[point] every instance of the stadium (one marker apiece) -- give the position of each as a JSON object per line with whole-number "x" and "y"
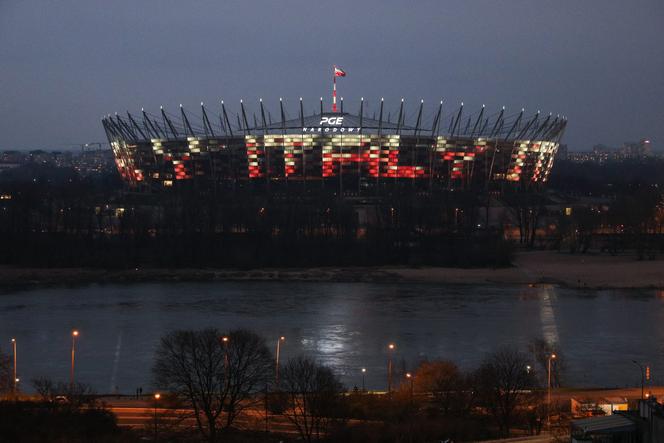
{"x": 374, "y": 147}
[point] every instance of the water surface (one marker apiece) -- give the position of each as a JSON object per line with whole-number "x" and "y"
{"x": 344, "y": 325}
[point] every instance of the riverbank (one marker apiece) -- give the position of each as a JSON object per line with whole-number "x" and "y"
{"x": 530, "y": 268}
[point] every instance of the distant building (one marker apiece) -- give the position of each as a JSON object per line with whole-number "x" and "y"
{"x": 601, "y": 153}
{"x": 644, "y": 425}
{"x": 582, "y": 407}
{"x": 86, "y": 162}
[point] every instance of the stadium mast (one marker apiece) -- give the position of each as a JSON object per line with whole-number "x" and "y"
{"x": 338, "y": 72}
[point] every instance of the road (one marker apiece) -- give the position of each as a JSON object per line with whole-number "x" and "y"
{"x": 596, "y": 394}
{"x": 143, "y": 413}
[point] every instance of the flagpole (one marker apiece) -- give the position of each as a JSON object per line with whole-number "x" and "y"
{"x": 334, "y": 90}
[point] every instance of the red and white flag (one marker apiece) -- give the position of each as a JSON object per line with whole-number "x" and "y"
{"x": 338, "y": 72}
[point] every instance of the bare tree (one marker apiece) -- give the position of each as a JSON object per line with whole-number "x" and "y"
{"x": 446, "y": 383}
{"x": 45, "y": 387}
{"x": 213, "y": 375}
{"x": 314, "y": 397}
{"x": 505, "y": 386}
{"x": 73, "y": 396}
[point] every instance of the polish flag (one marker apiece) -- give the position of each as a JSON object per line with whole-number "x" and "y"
{"x": 339, "y": 72}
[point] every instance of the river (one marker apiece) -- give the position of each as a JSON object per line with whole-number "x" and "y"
{"x": 344, "y": 325}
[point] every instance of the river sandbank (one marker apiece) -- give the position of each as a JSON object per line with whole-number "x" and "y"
{"x": 530, "y": 268}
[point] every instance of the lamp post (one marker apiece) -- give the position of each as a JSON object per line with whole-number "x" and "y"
{"x": 642, "y": 376}
{"x": 390, "y": 350}
{"x": 364, "y": 372}
{"x": 14, "y": 371}
{"x": 157, "y": 396}
{"x": 409, "y": 376}
{"x": 276, "y": 369}
{"x": 74, "y": 334}
{"x": 548, "y": 401}
{"x": 224, "y": 342}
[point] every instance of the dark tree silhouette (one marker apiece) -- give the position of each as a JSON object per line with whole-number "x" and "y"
{"x": 504, "y": 384}
{"x": 213, "y": 376}
{"x": 6, "y": 373}
{"x": 451, "y": 389}
{"x": 315, "y": 400}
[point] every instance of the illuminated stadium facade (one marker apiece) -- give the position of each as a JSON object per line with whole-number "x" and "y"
{"x": 353, "y": 152}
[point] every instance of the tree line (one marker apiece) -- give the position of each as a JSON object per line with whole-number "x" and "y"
{"x": 55, "y": 218}
{"x": 212, "y": 383}
{"x": 219, "y": 376}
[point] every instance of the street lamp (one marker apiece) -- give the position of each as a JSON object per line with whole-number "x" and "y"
{"x": 14, "y": 354}
{"x": 224, "y": 342}
{"x": 364, "y": 372}
{"x": 282, "y": 338}
{"x": 642, "y": 375}
{"x": 409, "y": 376}
{"x": 548, "y": 402}
{"x": 390, "y": 349}
{"x": 74, "y": 334}
{"x": 157, "y": 396}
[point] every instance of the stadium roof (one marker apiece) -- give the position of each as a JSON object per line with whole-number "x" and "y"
{"x": 457, "y": 122}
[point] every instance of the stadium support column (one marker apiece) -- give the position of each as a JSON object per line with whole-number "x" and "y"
{"x": 148, "y": 124}
{"x": 206, "y": 122}
{"x": 515, "y": 125}
{"x": 433, "y": 149}
{"x": 244, "y": 117}
{"x": 417, "y": 140}
{"x": 496, "y": 148}
{"x": 399, "y": 118}
{"x": 304, "y": 153}
{"x": 124, "y": 127}
{"x": 283, "y": 135}
{"x": 361, "y": 111}
{"x": 380, "y": 143}
{"x": 361, "y": 149}
{"x": 138, "y": 128}
{"x": 207, "y": 127}
{"x": 167, "y": 121}
{"x": 524, "y": 131}
{"x": 322, "y": 182}
{"x": 457, "y": 120}
{"x": 477, "y": 122}
{"x": 483, "y": 129}
{"x": 260, "y": 101}
{"x": 539, "y": 128}
{"x": 185, "y": 122}
{"x": 228, "y": 123}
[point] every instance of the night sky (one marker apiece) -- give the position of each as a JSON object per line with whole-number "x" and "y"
{"x": 64, "y": 64}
